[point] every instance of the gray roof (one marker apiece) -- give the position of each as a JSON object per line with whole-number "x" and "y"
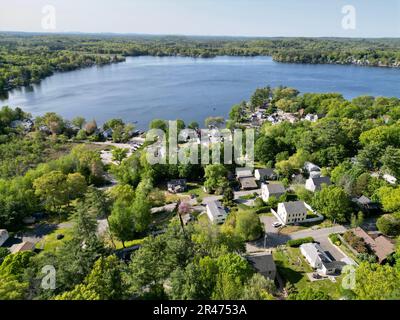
{"x": 177, "y": 182}
{"x": 319, "y": 181}
{"x": 262, "y": 262}
{"x": 294, "y": 207}
{"x": 315, "y": 252}
{"x": 244, "y": 172}
{"x": 266, "y": 171}
{"x": 216, "y": 208}
{"x": 248, "y": 183}
{"x": 275, "y": 188}
{"x": 364, "y": 200}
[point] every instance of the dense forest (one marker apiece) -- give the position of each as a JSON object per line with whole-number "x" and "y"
{"x": 27, "y": 58}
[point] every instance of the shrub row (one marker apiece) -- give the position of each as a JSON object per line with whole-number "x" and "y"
{"x": 298, "y": 242}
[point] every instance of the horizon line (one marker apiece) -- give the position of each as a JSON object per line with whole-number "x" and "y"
{"x": 191, "y": 35}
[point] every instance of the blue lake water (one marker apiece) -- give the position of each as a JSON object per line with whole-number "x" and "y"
{"x": 144, "y": 88}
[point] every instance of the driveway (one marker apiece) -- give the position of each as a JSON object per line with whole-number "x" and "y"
{"x": 274, "y": 238}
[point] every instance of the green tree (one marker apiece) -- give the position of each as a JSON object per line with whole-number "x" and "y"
{"x": 52, "y": 189}
{"x": 79, "y": 122}
{"x": 333, "y": 203}
{"x": 377, "y": 282}
{"x": 389, "y": 224}
{"x": 266, "y": 149}
{"x": 258, "y": 288}
{"x": 122, "y": 223}
{"x": 216, "y": 178}
{"x": 119, "y": 154}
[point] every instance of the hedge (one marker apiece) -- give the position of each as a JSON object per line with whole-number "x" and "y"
{"x": 298, "y": 242}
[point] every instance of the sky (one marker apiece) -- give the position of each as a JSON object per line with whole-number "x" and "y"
{"x": 269, "y": 18}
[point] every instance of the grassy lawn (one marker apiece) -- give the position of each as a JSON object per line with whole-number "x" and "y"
{"x": 197, "y": 189}
{"x": 50, "y": 242}
{"x": 293, "y": 268}
{"x": 290, "y": 229}
{"x": 118, "y": 244}
{"x": 161, "y": 219}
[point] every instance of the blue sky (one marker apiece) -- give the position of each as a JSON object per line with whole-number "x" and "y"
{"x": 374, "y": 18}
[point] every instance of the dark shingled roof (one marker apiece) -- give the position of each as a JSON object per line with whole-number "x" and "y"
{"x": 319, "y": 181}
{"x": 262, "y": 262}
{"x": 275, "y": 188}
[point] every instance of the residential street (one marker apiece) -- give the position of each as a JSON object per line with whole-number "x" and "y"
{"x": 274, "y": 238}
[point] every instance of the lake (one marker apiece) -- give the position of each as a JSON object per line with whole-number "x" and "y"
{"x": 144, "y": 88}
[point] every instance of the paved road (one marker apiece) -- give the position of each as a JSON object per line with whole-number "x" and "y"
{"x": 274, "y": 238}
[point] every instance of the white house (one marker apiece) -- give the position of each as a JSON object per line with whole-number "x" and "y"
{"x": 3, "y": 236}
{"x": 216, "y": 212}
{"x": 272, "y": 190}
{"x": 319, "y": 260}
{"x": 389, "y": 178}
{"x": 265, "y": 174}
{"x": 292, "y": 212}
{"x": 310, "y": 167}
{"x": 311, "y": 117}
{"x": 315, "y": 184}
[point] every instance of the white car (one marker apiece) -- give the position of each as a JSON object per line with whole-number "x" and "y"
{"x": 277, "y": 224}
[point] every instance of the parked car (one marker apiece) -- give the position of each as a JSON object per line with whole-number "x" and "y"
{"x": 277, "y": 224}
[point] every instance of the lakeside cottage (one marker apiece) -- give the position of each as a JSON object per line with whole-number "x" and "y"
{"x": 272, "y": 190}
{"x": 216, "y": 212}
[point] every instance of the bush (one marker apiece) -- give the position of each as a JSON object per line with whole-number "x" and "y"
{"x": 389, "y": 224}
{"x": 298, "y": 242}
{"x": 335, "y": 239}
{"x": 355, "y": 242}
{"x": 265, "y": 209}
{"x": 259, "y": 203}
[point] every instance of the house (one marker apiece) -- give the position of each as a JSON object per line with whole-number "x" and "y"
{"x": 216, "y": 212}
{"x": 311, "y": 117}
{"x": 366, "y": 205}
{"x": 26, "y": 124}
{"x": 381, "y": 246}
{"x": 176, "y": 186}
{"x": 265, "y": 174}
{"x": 23, "y": 246}
{"x": 264, "y": 264}
{"x": 246, "y": 179}
{"x": 319, "y": 260}
{"x": 187, "y": 218}
{"x": 389, "y": 178}
{"x": 244, "y": 173}
{"x": 272, "y": 190}
{"x": 108, "y": 133}
{"x": 312, "y": 169}
{"x": 248, "y": 183}
{"x": 292, "y": 212}
{"x": 315, "y": 184}
{"x": 3, "y": 236}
